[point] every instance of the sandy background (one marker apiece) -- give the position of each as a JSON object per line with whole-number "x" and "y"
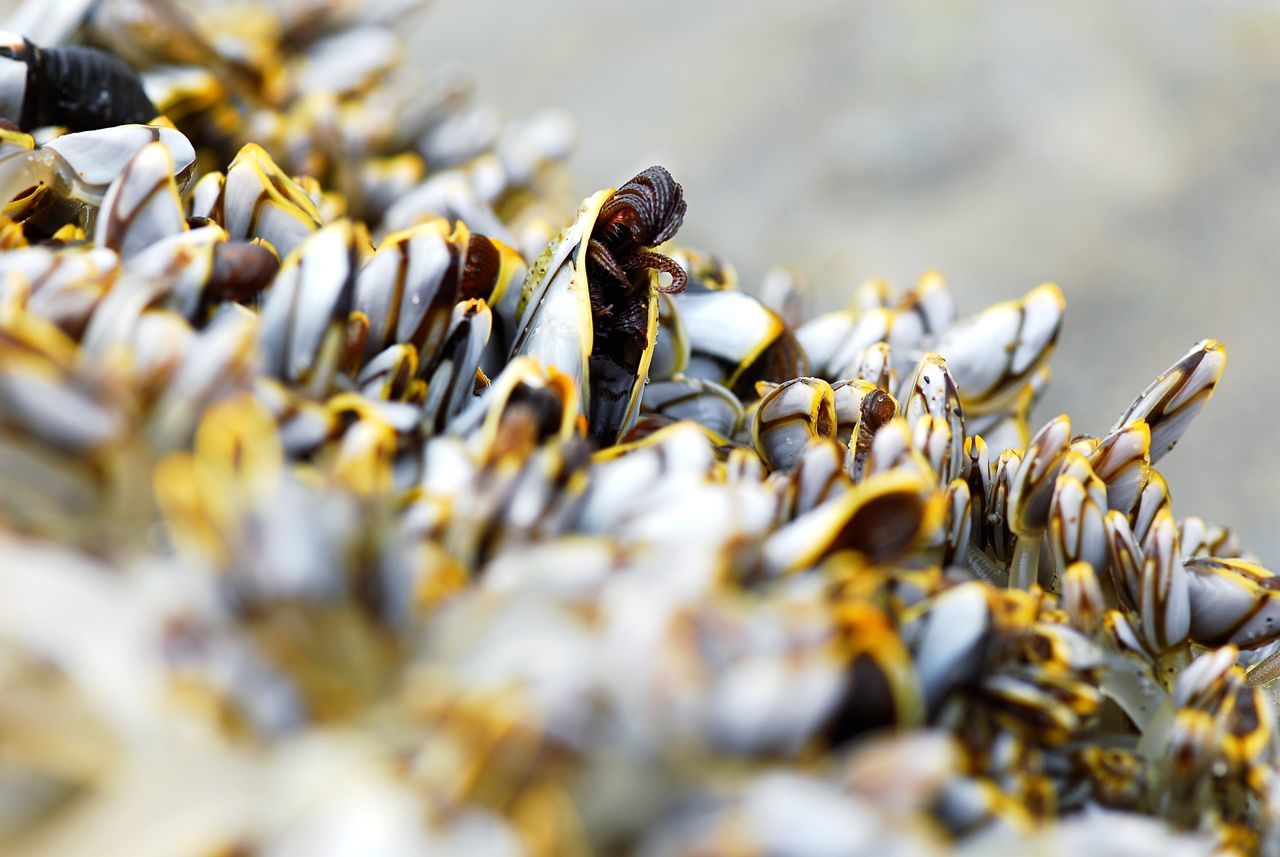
{"x": 1126, "y": 151}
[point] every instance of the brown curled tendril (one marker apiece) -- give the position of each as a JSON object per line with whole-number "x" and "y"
{"x": 641, "y": 214}
{"x": 656, "y": 261}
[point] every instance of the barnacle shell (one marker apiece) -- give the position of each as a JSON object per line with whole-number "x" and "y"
{"x": 1163, "y": 599}
{"x": 450, "y": 380}
{"x": 305, "y": 313}
{"x": 1077, "y": 512}
{"x": 1176, "y": 396}
{"x": 703, "y": 402}
{"x": 991, "y": 355}
{"x": 789, "y": 416}
{"x": 406, "y": 293}
{"x": 932, "y": 393}
{"x": 736, "y": 340}
{"x": 1031, "y": 492}
{"x": 257, "y": 200}
{"x": 555, "y": 325}
{"x": 1232, "y": 601}
{"x": 141, "y": 207}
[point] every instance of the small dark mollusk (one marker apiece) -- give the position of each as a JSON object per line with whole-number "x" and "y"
{"x": 82, "y": 89}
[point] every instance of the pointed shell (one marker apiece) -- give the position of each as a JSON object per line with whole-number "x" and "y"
{"x": 993, "y": 354}
{"x": 1031, "y": 491}
{"x": 451, "y": 380}
{"x": 1163, "y": 599}
{"x": 142, "y": 206}
{"x": 1233, "y": 601}
{"x": 932, "y": 392}
{"x": 408, "y": 289}
{"x": 1122, "y": 461}
{"x": 1176, "y": 395}
{"x": 1077, "y": 532}
{"x": 260, "y": 201}
{"x": 305, "y": 313}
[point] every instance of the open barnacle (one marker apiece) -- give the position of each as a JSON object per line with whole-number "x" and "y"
{"x": 589, "y": 304}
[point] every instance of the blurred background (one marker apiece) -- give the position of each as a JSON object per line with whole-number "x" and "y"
{"x": 1128, "y": 152}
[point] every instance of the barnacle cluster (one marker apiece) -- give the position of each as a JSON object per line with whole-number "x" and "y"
{"x": 348, "y": 508}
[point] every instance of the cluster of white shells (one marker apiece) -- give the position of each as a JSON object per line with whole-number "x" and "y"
{"x": 350, "y": 558}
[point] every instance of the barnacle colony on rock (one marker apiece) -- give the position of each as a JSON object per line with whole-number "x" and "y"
{"x": 350, "y": 509}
